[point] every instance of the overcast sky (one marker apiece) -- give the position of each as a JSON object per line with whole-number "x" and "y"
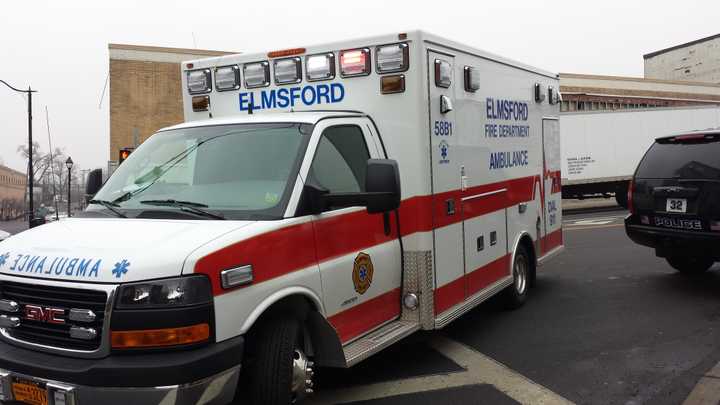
{"x": 60, "y": 47}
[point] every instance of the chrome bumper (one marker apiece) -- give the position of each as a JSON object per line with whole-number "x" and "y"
{"x": 215, "y": 390}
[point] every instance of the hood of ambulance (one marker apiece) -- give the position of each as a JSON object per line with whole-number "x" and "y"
{"x": 92, "y": 250}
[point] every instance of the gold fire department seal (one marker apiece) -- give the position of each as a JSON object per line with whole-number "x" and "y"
{"x": 362, "y": 273}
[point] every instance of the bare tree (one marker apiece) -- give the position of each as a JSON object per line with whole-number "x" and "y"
{"x": 50, "y": 166}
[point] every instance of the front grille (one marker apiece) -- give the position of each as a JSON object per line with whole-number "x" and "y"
{"x": 49, "y": 334}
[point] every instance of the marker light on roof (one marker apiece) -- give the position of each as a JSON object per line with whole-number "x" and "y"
{"x": 320, "y": 67}
{"x": 472, "y": 79}
{"x": 256, "y": 74}
{"x": 227, "y": 78}
{"x": 355, "y": 62}
{"x": 199, "y": 81}
{"x": 392, "y": 58}
{"x": 286, "y": 52}
{"x": 288, "y": 70}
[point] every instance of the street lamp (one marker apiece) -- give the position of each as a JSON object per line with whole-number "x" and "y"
{"x": 31, "y": 175}
{"x": 69, "y": 165}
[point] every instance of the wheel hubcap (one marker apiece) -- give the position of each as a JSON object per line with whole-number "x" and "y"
{"x": 520, "y": 274}
{"x": 302, "y": 376}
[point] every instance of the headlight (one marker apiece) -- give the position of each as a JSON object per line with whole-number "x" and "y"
{"x": 183, "y": 291}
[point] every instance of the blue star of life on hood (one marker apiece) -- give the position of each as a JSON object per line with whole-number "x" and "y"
{"x": 121, "y": 268}
{"x": 3, "y": 259}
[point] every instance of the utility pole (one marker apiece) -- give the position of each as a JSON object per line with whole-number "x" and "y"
{"x": 31, "y": 175}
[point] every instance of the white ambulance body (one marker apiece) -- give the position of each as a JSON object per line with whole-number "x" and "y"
{"x": 474, "y": 137}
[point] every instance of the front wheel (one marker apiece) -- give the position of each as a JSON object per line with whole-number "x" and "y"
{"x": 690, "y": 265}
{"x": 516, "y": 294}
{"x": 278, "y": 371}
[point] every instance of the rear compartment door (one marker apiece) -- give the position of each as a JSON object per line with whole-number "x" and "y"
{"x": 551, "y": 186}
{"x": 446, "y": 183}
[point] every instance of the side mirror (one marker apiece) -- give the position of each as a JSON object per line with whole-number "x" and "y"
{"x": 382, "y": 191}
{"x": 94, "y": 182}
{"x": 382, "y": 185}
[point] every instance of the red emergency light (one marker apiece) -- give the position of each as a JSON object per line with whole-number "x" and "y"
{"x": 355, "y": 62}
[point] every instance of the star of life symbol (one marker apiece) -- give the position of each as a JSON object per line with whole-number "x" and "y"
{"x": 121, "y": 268}
{"x": 444, "y": 152}
{"x": 3, "y": 259}
{"x": 363, "y": 273}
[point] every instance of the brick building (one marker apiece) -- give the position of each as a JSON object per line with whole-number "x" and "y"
{"x": 12, "y": 193}
{"x": 593, "y": 92}
{"x": 697, "y": 61}
{"x": 145, "y": 93}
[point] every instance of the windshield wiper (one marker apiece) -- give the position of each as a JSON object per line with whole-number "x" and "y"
{"x": 186, "y": 206}
{"x": 111, "y": 206}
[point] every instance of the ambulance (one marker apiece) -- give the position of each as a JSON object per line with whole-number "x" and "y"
{"x": 318, "y": 205}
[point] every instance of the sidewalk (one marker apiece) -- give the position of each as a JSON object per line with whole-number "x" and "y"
{"x": 589, "y": 204}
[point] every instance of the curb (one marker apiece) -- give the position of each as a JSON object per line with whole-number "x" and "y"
{"x": 707, "y": 389}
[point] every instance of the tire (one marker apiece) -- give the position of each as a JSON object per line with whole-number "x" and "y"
{"x": 516, "y": 294}
{"x": 690, "y": 265}
{"x": 270, "y": 376}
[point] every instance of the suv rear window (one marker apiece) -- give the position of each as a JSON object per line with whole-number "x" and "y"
{"x": 691, "y": 159}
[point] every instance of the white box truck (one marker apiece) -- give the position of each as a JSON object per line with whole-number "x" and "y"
{"x": 601, "y": 149}
{"x": 320, "y": 204}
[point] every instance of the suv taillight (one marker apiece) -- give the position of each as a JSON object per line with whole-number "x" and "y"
{"x": 631, "y": 187}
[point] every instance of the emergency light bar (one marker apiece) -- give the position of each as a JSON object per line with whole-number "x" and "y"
{"x": 443, "y": 73}
{"x": 320, "y": 67}
{"x": 227, "y": 78}
{"x": 355, "y": 62}
{"x": 199, "y": 81}
{"x": 472, "y": 79}
{"x": 392, "y": 58}
{"x": 553, "y": 96}
{"x": 288, "y": 70}
{"x": 257, "y": 74}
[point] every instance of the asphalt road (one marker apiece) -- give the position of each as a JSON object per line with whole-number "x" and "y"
{"x": 13, "y": 227}
{"x": 608, "y": 323}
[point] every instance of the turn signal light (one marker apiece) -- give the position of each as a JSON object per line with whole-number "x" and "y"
{"x": 135, "y": 339}
{"x": 200, "y": 103}
{"x": 392, "y": 84}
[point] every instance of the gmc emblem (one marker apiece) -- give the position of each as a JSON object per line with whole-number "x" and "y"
{"x": 44, "y": 314}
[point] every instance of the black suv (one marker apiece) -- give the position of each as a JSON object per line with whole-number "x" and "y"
{"x": 674, "y": 200}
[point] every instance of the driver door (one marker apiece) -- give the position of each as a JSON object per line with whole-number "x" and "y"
{"x": 359, "y": 261}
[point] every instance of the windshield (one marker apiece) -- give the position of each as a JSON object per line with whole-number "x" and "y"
{"x": 686, "y": 160}
{"x": 241, "y": 171}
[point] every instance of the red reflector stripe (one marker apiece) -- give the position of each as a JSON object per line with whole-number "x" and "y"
{"x": 366, "y": 316}
{"x": 295, "y": 247}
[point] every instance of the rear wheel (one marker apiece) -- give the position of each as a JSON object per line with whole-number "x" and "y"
{"x": 690, "y": 265}
{"x": 278, "y": 371}
{"x": 516, "y": 294}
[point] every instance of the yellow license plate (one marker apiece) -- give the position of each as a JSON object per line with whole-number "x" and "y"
{"x": 29, "y": 393}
